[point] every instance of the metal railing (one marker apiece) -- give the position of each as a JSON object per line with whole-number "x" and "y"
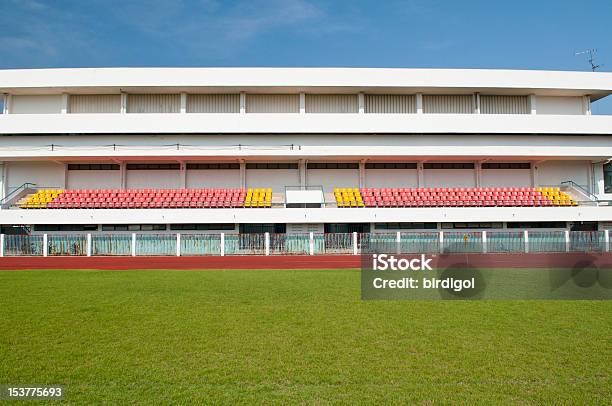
{"x": 426, "y": 242}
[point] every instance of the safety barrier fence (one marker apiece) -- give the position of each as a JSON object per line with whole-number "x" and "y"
{"x": 188, "y": 244}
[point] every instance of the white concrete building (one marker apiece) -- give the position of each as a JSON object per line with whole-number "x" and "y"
{"x": 309, "y": 129}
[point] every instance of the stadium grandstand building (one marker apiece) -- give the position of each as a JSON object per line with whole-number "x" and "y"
{"x": 184, "y": 152}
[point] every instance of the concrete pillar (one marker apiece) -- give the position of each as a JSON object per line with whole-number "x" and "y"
{"x": 598, "y": 179}
{"x": 355, "y": 244}
{"x": 302, "y": 103}
{"x": 45, "y": 245}
{"x": 243, "y": 180}
{"x": 124, "y": 102}
{"x": 441, "y": 241}
{"x": 65, "y": 98}
{"x": 66, "y": 174}
{"x": 302, "y": 173}
{"x": 586, "y": 105}
{"x": 123, "y": 175}
{"x": 533, "y": 174}
{"x": 484, "y": 242}
{"x": 2, "y": 245}
{"x": 362, "y": 173}
{"x": 178, "y": 244}
{"x": 476, "y": 103}
{"x": 267, "y": 243}
{"x": 2, "y": 181}
{"x": 361, "y": 103}
{"x": 532, "y": 104}
{"x": 8, "y": 102}
{"x": 478, "y": 173}
{"x": 526, "y": 240}
{"x": 89, "y": 244}
{"x": 419, "y": 103}
{"x": 183, "y": 103}
{"x": 183, "y": 175}
{"x": 242, "y": 102}
{"x": 222, "y": 244}
{"x": 420, "y": 175}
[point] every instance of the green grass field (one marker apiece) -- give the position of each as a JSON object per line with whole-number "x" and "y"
{"x": 292, "y": 336}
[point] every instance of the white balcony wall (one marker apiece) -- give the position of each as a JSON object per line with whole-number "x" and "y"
{"x": 43, "y": 174}
{"x": 390, "y": 104}
{"x": 102, "y": 179}
{"x": 154, "y": 103}
{"x": 276, "y": 179}
{"x": 272, "y": 103}
{"x": 448, "y": 104}
{"x": 504, "y": 104}
{"x": 559, "y": 105}
{"x": 213, "y": 103}
{"x": 555, "y": 172}
{"x": 153, "y": 179}
{"x": 44, "y": 104}
{"x": 449, "y": 178}
{"x": 94, "y": 103}
{"x": 211, "y": 178}
{"x": 505, "y": 178}
{"x": 331, "y": 103}
{"x": 331, "y": 178}
{"x": 391, "y": 178}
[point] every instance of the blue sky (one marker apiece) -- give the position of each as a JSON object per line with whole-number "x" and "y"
{"x": 536, "y": 34}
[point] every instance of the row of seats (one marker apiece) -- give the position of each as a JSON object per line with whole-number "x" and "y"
{"x": 451, "y": 197}
{"x": 148, "y": 198}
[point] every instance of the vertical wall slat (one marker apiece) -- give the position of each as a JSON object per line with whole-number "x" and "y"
{"x": 447, "y": 104}
{"x": 213, "y": 103}
{"x": 154, "y": 103}
{"x": 390, "y": 103}
{"x": 332, "y": 103}
{"x": 94, "y": 103}
{"x": 272, "y": 103}
{"x": 504, "y": 104}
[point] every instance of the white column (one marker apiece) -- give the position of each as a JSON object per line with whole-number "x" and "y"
{"x": 355, "y": 248}
{"x": 567, "y": 241}
{"x": 2, "y": 181}
{"x": 311, "y": 243}
{"x": 178, "y": 244}
{"x": 598, "y": 179}
{"x": 362, "y": 173}
{"x": 484, "y": 242}
{"x": 45, "y": 245}
{"x": 65, "y": 98}
{"x": 398, "y": 243}
{"x": 302, "y": 173}
{"x": 267, "y": 241}
{"x": 420, "y": 177}
{"x": 183, "y": 103}
{"x": 123, "y": 175}
{"x": 133, "y": 244}
{"x": 586, "y": 105}
{"x": 532, "y": 104}
{"x": 441, "y": 241}
{"x": 478, "y": 173}
{"x": 419, "y": 103}
{"x": 222, "y": 244}
{"x": 124, "y": 102}
{"x": 607, "y": 240}
{"x": 302, "y": 103}
{"x": 2, "y": 245}
{"x": 476, "y": 103}
{"x": 243, "y": 180}
{"x": 183, "y": 175}
{"x": 89, "y": 244}
{"x": 533, "y": 175}
{"x": 242, "y": 102}
{"x": 8, "y": 106}
{"x": 526, "y": 238}
{"x": 65, "y": 185}
{"x": 5, "y": 98}
{"x": 361, "y": 103}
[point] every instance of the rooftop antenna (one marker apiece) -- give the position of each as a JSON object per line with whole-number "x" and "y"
{"x": 590, "y": 54}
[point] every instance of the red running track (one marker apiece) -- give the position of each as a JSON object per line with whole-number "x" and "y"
{"x": 553, "y": 260}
